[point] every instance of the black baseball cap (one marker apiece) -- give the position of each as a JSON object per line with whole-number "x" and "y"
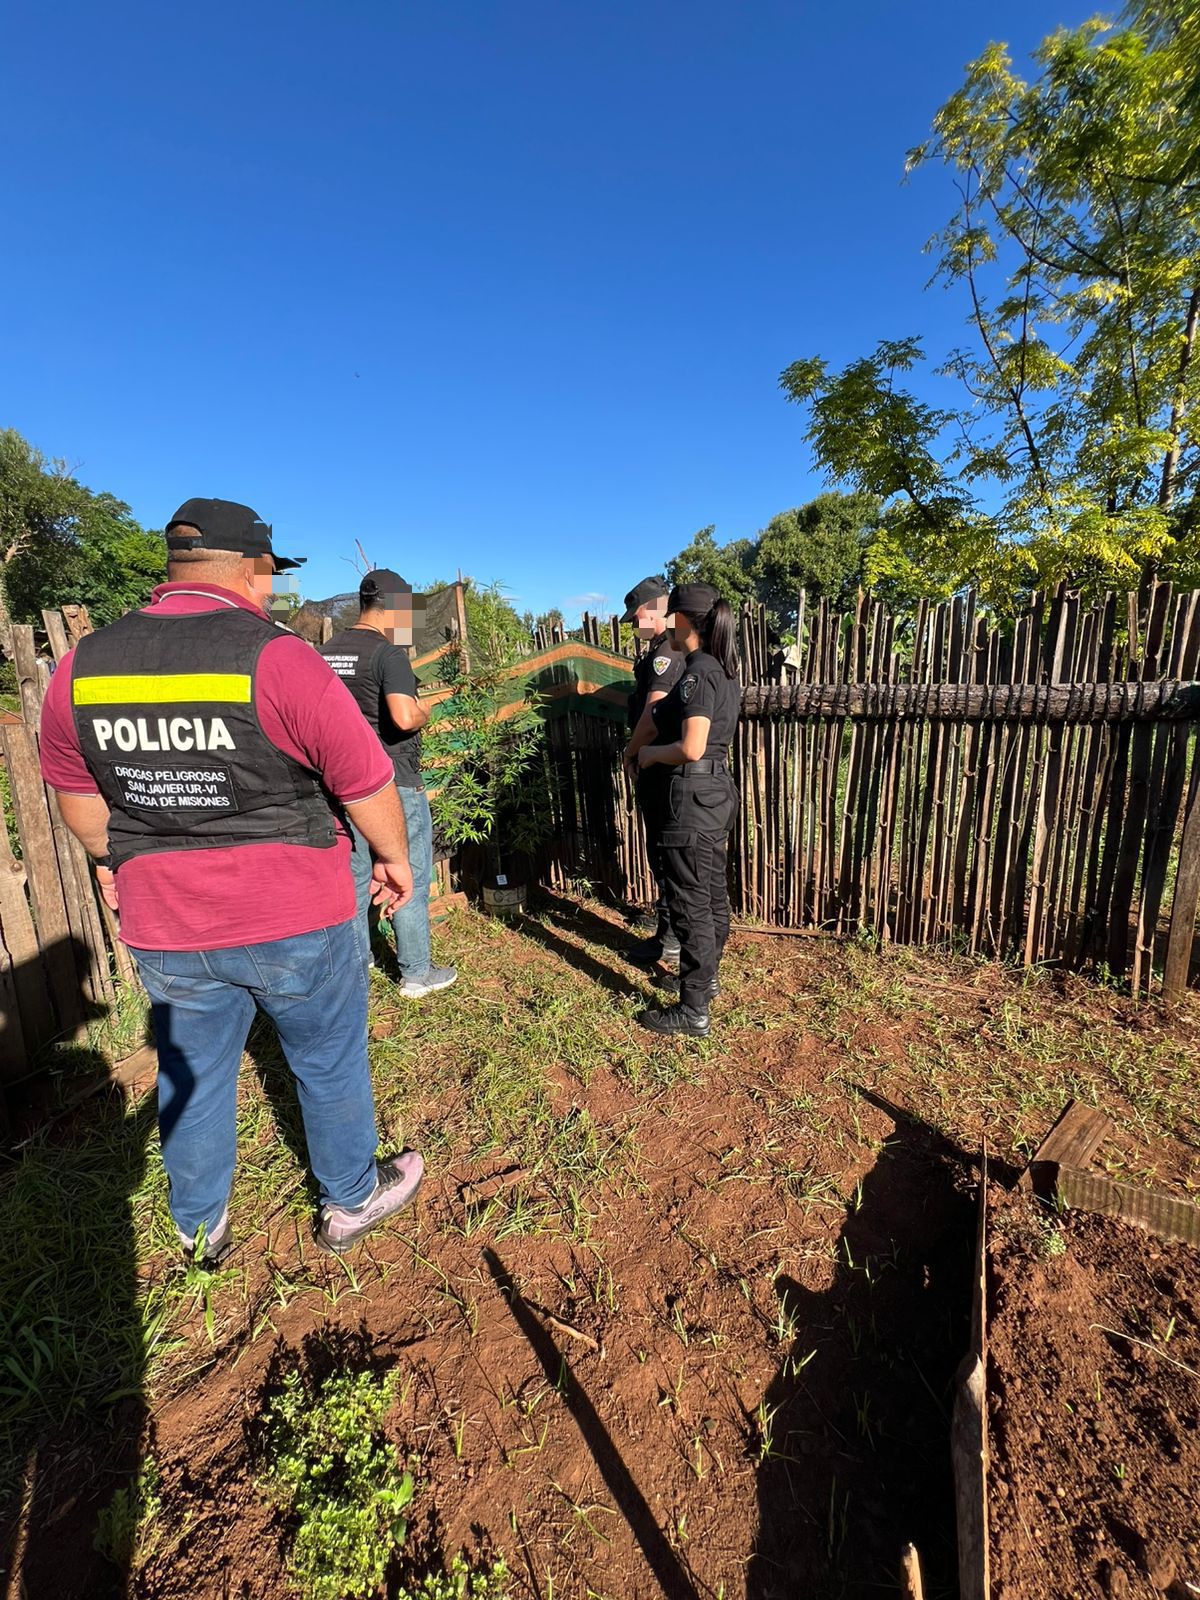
{"x": 226, "y": 525}
{"x": 695, "y": 600}
{"x": 382, "y": 583}
{"x": 648, "y": 590}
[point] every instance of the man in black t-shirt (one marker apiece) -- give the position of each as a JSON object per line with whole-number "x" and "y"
{"x": 371, "y": 662}
{"x": 655, "y": 673}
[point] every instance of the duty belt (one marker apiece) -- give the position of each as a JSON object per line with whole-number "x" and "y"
{"x": 694, "y": 767}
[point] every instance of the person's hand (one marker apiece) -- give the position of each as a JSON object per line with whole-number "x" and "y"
{"x": 106, "y": 882}
{"x": 392, "y": 885}
{"x": 629, "y": 762}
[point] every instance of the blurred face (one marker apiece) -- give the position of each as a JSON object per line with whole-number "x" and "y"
{"x": 399, "y": 617}
{"x": 684, "y": 633}
{"x": 260, "y": 578}
{"x": 651, "y": 619}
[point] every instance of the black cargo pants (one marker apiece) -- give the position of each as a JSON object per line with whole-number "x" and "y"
{"x": 651, "y": 792}
{"x": 699, "y": 811}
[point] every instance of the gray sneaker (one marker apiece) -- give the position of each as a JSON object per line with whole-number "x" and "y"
{"x": 397, "y": 1183}
{"x": 436, "y": 978}
{"x": 215, "y": 1246}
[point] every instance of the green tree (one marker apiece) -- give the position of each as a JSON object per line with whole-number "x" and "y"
{"x": 727, "y": 566}
{"x": 1075, "y": 244}
{"x": 61, "y": 542}
{"x": 819, "y": 547}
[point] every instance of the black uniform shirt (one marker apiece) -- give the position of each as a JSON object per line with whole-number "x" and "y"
{"x": 372, "y": 667}
{"x": 703, "y": 690}
{"x": 658, "y": 667}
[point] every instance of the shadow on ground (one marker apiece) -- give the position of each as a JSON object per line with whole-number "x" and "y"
{"x": 853, "y": 1435}
{"x": 72, "y": 1405}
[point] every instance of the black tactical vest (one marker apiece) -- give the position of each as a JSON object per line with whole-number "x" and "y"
{"x": 164, "y": 708}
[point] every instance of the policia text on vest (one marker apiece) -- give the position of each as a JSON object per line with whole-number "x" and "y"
{"x": 216, "y": 779}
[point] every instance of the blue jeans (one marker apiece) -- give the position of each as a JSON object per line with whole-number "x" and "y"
{"x": 314, "y": 989}
{"x": 411, "y": 923}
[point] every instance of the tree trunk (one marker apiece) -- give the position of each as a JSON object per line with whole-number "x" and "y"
{"x": 7, "y": 647}
{"x": 1166, "y": 492}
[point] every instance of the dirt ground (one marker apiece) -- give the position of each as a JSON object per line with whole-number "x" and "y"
{"x": 693, "y": 1331}
{"x": 1095, "y": 1408}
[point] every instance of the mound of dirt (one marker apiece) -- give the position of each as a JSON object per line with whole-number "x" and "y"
{"x": 1094, "y": 1394}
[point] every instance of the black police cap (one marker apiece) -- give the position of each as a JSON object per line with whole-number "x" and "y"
{"x": 649, "y": 590}
{"x": 381, "y": 584}
{"x": 695, "y": 600}
{"x": 226, "y": 525}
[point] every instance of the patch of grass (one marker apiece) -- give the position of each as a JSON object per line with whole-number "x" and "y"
{"x": 460, "y": 1582}
{"x": 125, "y": 1530}
{"x": 339, "y": 1481}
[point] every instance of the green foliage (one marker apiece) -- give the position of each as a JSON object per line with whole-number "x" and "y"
{"x": 1074, "y": 452}
{"x": 335, "y": 1475}
{"x": 124, "y": 1528}
{"x": 726, "y": 567}
{"x": 495, "y": 631}
{"x": 61, "y": 543}
{"x": 490, "y": 773}
{"x": 820, "y": 547}
{"x": 551, "y": 619}
{"x": 460, "y": 1583}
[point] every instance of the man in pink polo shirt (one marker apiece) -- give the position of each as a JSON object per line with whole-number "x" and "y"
{"x": 204, "y": 758}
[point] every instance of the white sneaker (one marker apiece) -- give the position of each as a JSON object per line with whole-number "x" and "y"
{"x": 436, "y": 978}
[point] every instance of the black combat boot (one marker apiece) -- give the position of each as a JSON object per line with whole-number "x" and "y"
{"x": 676, "y": 1019}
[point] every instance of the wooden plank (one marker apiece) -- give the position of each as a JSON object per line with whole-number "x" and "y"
{"x": 1164, "y": 1215}
{"x": 13, "y": 1049}
{"x": 77, "y": 622}
{"x": 969, "y": 1427}
{"x": 1167, "y": 792}
{"x": 41, "y": 866}
{"x": 31, "y": 1023}
{"x": 1012, "y": 789}
{"x": 1050, "y": 774}
{"x": 912, "y": 1584}
{"x": 1019, "y": 702}
{"x": 29, "y": 679}
{"x": 1090, "y": 807}
{"x": 1139, "y": 795}
{"x": 1072, "y": 1141}
{"x": 56, "y": 632}
{"x": 908, "y": 886}
{"x": 1186, "y": 901}
{"x": 74, "y": 874}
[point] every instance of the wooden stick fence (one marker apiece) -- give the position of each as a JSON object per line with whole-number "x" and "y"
{"x": 1030, "y": 791}
{"x": 60, "y": 959}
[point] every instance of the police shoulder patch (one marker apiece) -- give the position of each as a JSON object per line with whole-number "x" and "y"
{"x": 661, "y": 663}
{"x": 686, "y": 685}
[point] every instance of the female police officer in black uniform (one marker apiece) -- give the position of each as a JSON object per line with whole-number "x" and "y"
{"x": 698, "y": 801}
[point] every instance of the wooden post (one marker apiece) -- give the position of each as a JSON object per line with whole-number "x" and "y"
{"x": 1187, "y": 896}
{"x": 460, "y": 613}
{"x": 41, "y": 865}
{"x": 77, "y": 622}
{"x": 910, "y": 1574}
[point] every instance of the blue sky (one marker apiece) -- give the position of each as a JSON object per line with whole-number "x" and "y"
{"x": 504, "y": 287}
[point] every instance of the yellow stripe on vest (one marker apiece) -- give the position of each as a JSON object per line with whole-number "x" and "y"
{"x": 162, "y": 689}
